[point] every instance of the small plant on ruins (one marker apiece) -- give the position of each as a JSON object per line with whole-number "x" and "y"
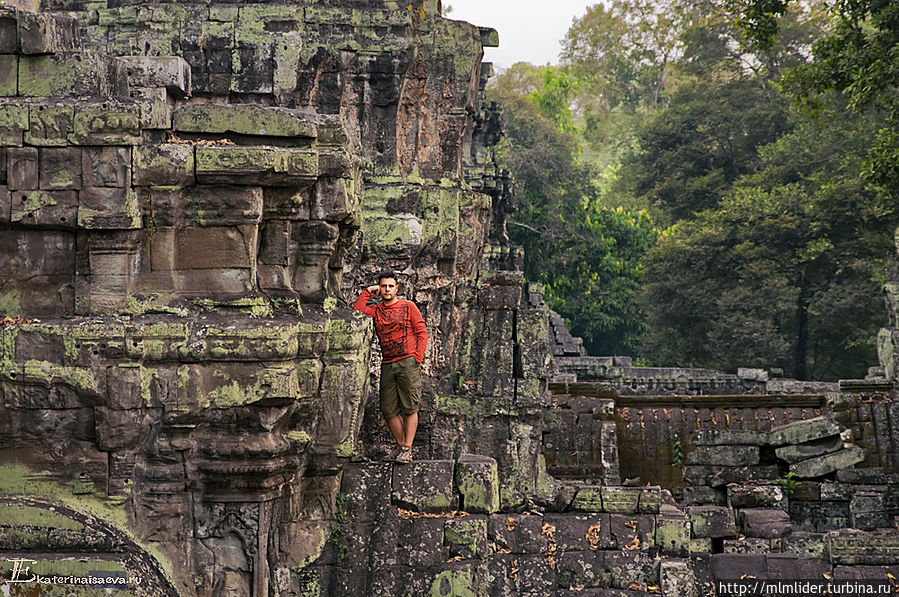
{"x": 340, "y": 512}
{"x": 677, "y": 453}
{"x": 337, "y": 540}
{"x": 789, "y": 483}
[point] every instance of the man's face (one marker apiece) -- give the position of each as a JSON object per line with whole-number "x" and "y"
{"x": 387, "y": 289}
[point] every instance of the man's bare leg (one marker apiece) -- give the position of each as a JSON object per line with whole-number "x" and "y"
{"x": 410, "y": 425}
{"x": 395, "y": 424}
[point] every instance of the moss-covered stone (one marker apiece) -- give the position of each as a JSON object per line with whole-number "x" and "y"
{"x": 454, "y": 583}
{"x": 71, "y": 74}
{"x": 13, "y": 122}
{"x": 50, "y": 124}
{"x": 477, "y": 479}
{"x": 9, "y": 71}
{"x": 255, "y": 165}
{"x": 466, "y": 537}
{"x": 243, "y": 119}
{"x": 107, "y": 123}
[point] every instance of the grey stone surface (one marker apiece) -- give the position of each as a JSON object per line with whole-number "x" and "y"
{"x": 725, "y": 455}
{"x": 768, "y": 523}
{"x": 828, "y": 463}
{"x": 803, "y": 431}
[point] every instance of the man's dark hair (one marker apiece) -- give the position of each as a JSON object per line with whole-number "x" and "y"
{"x": 388, "y": 274}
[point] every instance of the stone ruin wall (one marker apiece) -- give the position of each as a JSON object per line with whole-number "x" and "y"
{"x": 192, "y": 194}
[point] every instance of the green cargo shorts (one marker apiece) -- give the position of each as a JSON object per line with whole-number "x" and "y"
{"x": 400, "y": 389}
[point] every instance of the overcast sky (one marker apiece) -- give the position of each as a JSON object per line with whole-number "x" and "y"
{"x": 529, "y": 30}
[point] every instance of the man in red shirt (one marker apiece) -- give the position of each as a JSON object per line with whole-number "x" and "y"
{"x": 403, "y": 338}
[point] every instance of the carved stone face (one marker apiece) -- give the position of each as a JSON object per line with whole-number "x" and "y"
{"x": 388, "y": 289}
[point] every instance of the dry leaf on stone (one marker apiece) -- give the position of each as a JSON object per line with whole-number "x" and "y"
{"x": 511, "y": 523}
{"x": 634, "y": 587}
{"x": 633, "y": 545}
{"x": 593, "y": 536}
{"x": 631, "y": 524}
{"x": 409, "y": 514}
{"x": 513, "y": 573}
{"x": 497, "y": 548}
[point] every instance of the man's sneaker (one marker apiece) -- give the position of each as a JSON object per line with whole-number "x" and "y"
{"x": 404, "y": 456}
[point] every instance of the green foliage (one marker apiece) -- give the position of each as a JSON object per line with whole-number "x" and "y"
{"x": 554, "y": 98}
{"x": 789, "y": 483}
{"x": 677, "y": 453}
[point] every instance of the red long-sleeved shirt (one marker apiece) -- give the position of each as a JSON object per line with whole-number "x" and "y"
{"x": 400, "y": 328}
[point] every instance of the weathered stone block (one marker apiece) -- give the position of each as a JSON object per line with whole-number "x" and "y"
{"x": 633, "y": 532}
{"x": 673, "y": 534}
{"x": 50, "y": 124}
{"x": 806, "y": 545}
{"x": 107, "y": 123}
{"x": 727, "y": 455}
{"x": 108, "y": 208}
{"x": 822, "y": 465}
{"x": 583, "y": 569}
{"x": 752, "y": 545}
{"x": 799, "y": 452}
{"x": 70, "y": 74}
{"x": 334, "y": 199}
{"x": 45, "y": 208}
{"x": 521, "y": 534}
{"x": 9, "y": 75}
{"x": 286, "y": 203}
{"x": 466, "y": 537}
{"x": 719, "y": 476}
{"x": 737, "y": 566}
{"x": 819, "y": 516}
{"x": 629, "y": 568}
{"x": 851, "y": 546}
{"x": 164, "y": 164}
{"x": 589, "y": 499}
{"x": 244, "y": 120}
{"x": 255, "y": 165}
{"x": 712, "y": 521}
{"x": 866, "y": 476}
{"x": 769, "y": 523}
{"x": 577, "y": 532}
{"x": 703, "y": 495}
{"x": 9, "y": 34}
{"x": 756, "y": 496}
{"x": 170, "y": 72}
{"x": 41, "y": 33}
{"x": 803, "y": 431}
{"x": 213, "y": 248}
{"x": 5, "y": 204}
{"x": 424, "y": 485}
{"x": 676, "y": 579}
{"x": 833, "y": 492}
{"x": 206, "y": 205}
{"x": 155, "y": 107}
{"x": 106, "y": 166}
{"x": 621, "y": 500}
{"x": 869, "y": 507}
{"x": 22, "y": 169}
{"x": 477, "y": 479}
{"x": 13, "y": 122}
{"x": 724, "y": 437}
{"x": 60, "y": 168}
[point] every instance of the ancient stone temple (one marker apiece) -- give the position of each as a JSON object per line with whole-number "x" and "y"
{"x": 191, "y": 196}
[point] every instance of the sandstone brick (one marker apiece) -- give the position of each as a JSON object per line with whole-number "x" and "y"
{"x": 107, "y": 123}
{"x": 163, "y": 164}
{"x": 41, "y": 33}
{"x": 747, "y": 545}
{"x": 5, "y": 204}
{"x": 9, "y": 34}
{"x": 22, "y": 169}
{"x": 712, "y": 521}
{"x": 806, "y": 545}
{"x": 155, "y": 107}
{"x": 50, "y": 124}
{"x": 108, "y": 208}
{"x": 799, "y": 452}
{"x": 869, "y": 508}
{"x": 466, "y": 537}
{"x": 729, "y": 455}
{"x": 106, "y": 166}
{"x": 60, "y": 168}
{"x": 212, "y": 248}
{"x": 169, "y": 72}
{"x": 255, "y": 165}
{"x": 477, "y": 479}
{"x": 57, "y": 209}
{"x": 206, "y": 205}
{"x": 424, "y": 485}
{"x": 769, "y": 523}
{"x": 245, "y": 120}
{"x": 70, "y": 74}
{"x": 9, "y": 75}
{"x": 861, "y": 547}
{"x": 13, "y": 122}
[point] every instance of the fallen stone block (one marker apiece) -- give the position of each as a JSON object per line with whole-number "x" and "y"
{"x": 729, "y": 455}
{"x": 170, "y": 72}
{"x": 800, "y": 432}
{"x": 822, "y": 465}
{"x": 852, "y": 547}
{"x": 712, "y": 521}
{"x": 424, "y": 485}
{"x": 768, "y": 523}
{"x": 477, "y": 479}
{"x": 799, "y": 452}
